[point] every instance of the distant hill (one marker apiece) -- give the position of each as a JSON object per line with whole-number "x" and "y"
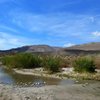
{"x": 90, "y": 48}
{"x": 94, "y": 46}
{"x": 43, "y": 49}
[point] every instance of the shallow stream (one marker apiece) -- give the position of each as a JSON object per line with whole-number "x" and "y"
{"x": 10, "y": 77}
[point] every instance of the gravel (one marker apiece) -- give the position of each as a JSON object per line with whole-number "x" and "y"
{"x": 53, "y": 92}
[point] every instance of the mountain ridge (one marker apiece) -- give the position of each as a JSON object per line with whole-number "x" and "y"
{"x": 89, "y": 48}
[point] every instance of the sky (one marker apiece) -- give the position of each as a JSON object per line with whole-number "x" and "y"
{"x": 60, "y": 23}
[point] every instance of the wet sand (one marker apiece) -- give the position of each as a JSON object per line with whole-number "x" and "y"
{"x": 53, "y": 92}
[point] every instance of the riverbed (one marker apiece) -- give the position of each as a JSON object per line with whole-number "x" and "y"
{"x": 10, "y": 77}
{"x": 51, "y": 92}
{"x": 14, "y": 86}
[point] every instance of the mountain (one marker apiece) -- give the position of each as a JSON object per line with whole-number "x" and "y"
{"x": 43, "y": 49}
{"x": 94, "y": 46}
{"x": 90, "y": 48}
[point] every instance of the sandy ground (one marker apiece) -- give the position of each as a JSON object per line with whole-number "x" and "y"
{"x": 66, "y": 73}
{"x": 66, "y": 92}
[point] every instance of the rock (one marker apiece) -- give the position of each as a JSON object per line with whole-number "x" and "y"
{"x": 76, "y": 81}
{"x": 27, "y": 98}
{"x": 38, "y": 98}
{"x": 86, "y": 83}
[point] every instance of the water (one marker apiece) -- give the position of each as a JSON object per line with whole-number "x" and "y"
{"x": 10, "y": 77}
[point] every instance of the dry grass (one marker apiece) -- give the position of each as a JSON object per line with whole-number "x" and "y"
{"x": 97, "y": 61}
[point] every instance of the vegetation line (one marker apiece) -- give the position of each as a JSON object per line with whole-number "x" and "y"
{"x": 84, "y": 67}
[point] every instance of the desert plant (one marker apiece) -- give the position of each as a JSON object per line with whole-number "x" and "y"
{"x": 22, "y": 60}
{"x": 84, "y": 64}
{"x": 7, "y": 60}
{"x": 97, "y": 61}
{"x": 52, "y": 64}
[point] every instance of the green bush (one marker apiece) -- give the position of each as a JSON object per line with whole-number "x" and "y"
{"x": 26, "y": 60}
{"x": 23, "y": 60}
{"x": 8, "y": 61}
{"x": 52, "y": 64}
{"x": 84, "y": 64}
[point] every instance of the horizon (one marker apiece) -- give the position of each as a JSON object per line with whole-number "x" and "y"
{"x": 60, "y": 23}
{"x": 47, "y": 45}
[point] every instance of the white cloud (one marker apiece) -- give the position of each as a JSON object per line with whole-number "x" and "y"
{"x": 52, "y": 24}
{"x": 3, "y": 27}
{"x": 92, "y": 19}
{"x": 96, "y": 33}
{"x": 8, "y": 41}
{"x": 70, "y": 27}
{"x": 68, "y": 44}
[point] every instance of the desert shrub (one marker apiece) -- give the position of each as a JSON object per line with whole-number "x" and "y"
{"x": 64, "y": 63}
{"x": 22, "y": 60}
{"x": 27, "y": 60}
{"x": 97, "y": 61}
{"x": 7, "y": 60}
{"x": 52, "y": 64}
{"x": 84, "y": 64}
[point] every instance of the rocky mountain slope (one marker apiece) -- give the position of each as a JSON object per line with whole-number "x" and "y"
{"x": 90, "y": 48}
{"x": 84, "y": 49}
{"x": 94, "y": 46}
{"x": 32, "y": 49}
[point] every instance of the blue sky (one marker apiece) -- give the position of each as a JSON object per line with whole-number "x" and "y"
{"x": 52, "y": 22}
